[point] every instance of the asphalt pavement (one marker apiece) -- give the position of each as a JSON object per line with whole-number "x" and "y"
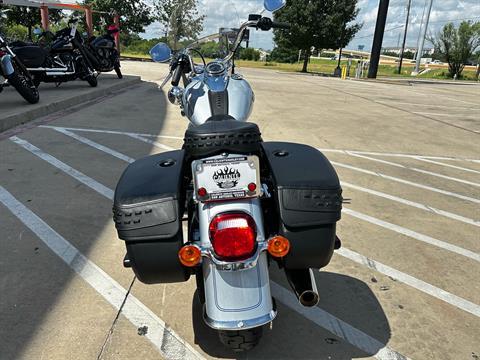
{"x": 404, "y": 284}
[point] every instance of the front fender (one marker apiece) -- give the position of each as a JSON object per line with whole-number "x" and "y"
{"x": 6, "y": 65}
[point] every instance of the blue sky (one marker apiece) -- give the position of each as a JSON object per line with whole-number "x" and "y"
{"x": 230, "y": 13}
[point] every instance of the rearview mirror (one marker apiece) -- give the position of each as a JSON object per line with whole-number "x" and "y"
{"x": 160, "y": 53}
{"x": 274, "y": 5}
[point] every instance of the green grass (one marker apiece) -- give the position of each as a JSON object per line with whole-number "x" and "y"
{"x": 328, "y": 66}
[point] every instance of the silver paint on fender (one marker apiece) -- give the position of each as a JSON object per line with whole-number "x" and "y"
{"x": 235, "y": 299}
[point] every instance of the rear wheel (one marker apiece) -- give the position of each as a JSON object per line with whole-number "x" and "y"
{"x": 241, "y": 340}
{"x": 24, "y": 85}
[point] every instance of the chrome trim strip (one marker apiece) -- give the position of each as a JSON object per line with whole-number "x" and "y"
{"x": 233, "y": 266}
{"x": 239, "y": 324}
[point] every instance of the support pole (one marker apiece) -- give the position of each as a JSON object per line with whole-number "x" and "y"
{"x": 422, "y": 39}
{"x": 420, "y": 30}
{"x": 44, "y": 16}
{"x": 378, "y": 38}
{"x": 404, "y": 38}
{"x": 89, "y": 19}
{"x": 116, "y": 21}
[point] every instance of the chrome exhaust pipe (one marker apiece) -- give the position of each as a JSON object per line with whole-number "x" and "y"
{"x": 303, "y": 284}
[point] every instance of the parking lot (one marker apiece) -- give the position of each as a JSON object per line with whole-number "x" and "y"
{"x": 405, "y": 283}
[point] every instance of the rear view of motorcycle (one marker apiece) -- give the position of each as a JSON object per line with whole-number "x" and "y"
{"x": 249, "y": 203}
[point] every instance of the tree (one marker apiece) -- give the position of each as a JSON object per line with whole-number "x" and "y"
{"x": 180, "y": 18}
{"x": 284, "y": 55}
{"x": 211, "y": 50}
{"x": 457, "y": 45}
{"x": 134, "y": 14}
{"x": 30, "y": 17}
{"x": 249, "y": 54}
{"x": 323, "y": 24}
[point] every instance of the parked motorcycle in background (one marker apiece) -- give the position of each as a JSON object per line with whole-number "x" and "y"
{"x": 16, "y": 74}
{"x": 103, "y": 53}
{"x": 64, "y": 59}
{"x": 249, "y": 203}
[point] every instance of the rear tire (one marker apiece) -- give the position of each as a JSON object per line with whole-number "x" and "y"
{"x": 24, "y": 86}
{"x": 118, "y": 71}
{"x": 241, "y": 340}
{"x": 92, "y": 80}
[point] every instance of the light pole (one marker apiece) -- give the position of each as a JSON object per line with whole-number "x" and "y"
{"x": 422, "y": 39}
{"x": 404, "y": 38}
{"x": 378, "y": 38}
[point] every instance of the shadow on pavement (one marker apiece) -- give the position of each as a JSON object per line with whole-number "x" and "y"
{"x": 32, "y": 279}
{"x": 293, "y": 336}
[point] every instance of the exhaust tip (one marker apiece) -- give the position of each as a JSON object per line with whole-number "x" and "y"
{"x": 309, "y": 298}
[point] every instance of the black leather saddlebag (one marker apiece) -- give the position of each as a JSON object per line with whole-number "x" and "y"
{"x": 148, "y": 210}
{"x": 308, "y": 200}
{"x": 31, "y": 56}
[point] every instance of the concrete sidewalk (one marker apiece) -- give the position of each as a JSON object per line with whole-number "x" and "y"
{"x": 15, "y": 110}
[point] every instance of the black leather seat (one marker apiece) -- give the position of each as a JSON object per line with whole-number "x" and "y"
{"x": 215, "y": 137}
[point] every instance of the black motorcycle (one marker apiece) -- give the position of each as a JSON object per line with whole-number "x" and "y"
{"x": 16, "y": 74}
{"x": 64, "y": 59}
{"x": 102, "y": 52}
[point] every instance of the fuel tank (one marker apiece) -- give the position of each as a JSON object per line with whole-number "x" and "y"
{"x": 214, "y": 95}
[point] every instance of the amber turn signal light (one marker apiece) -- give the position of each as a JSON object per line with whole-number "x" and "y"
{"x": 190, "y": 255}
{"x": 278, "y": 246}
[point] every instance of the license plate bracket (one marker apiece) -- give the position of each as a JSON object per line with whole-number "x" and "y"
{"x": 226, "y": 177}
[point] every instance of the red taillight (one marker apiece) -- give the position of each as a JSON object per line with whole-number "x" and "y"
{"x": 233, "y": 236}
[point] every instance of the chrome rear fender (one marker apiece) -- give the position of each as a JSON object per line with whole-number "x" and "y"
{"x": 237, "y": 298}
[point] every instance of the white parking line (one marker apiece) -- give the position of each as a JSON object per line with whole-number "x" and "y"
{"x": 427, "y": 288}
{"x": 168, "y": 343}
{"x": 95, "y": 145}
{"x": 447, "y": 165}
{"x": 414, "y": 169}
{"x": 84, "y": 179}
{"x": 336, "y": 326}
{"x": 113, "y": 132}
{"x": 413, "y": 204}
{"x": 406, "y": 182}
{"x": 413, "y": 234}
{"x": 386, "y": 154}
{"x": 148, "y": 141}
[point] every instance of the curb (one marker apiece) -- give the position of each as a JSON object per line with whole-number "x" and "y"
{"x": 410, "y": 82}
{"x": 133, "y": 58}
{"x": 32, "y": 114}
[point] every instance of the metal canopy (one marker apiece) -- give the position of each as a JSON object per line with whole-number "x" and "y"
{"x": 65, "y": 4}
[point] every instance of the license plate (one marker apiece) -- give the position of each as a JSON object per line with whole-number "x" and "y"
{"x": 226, "y": 178}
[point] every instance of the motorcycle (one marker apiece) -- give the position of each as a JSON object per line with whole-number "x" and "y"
{"x": 248, "y": 203}
{"x": 16, "y": 74}
{"x": 64, "y": 59}
{"x": 103, "y": 54}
